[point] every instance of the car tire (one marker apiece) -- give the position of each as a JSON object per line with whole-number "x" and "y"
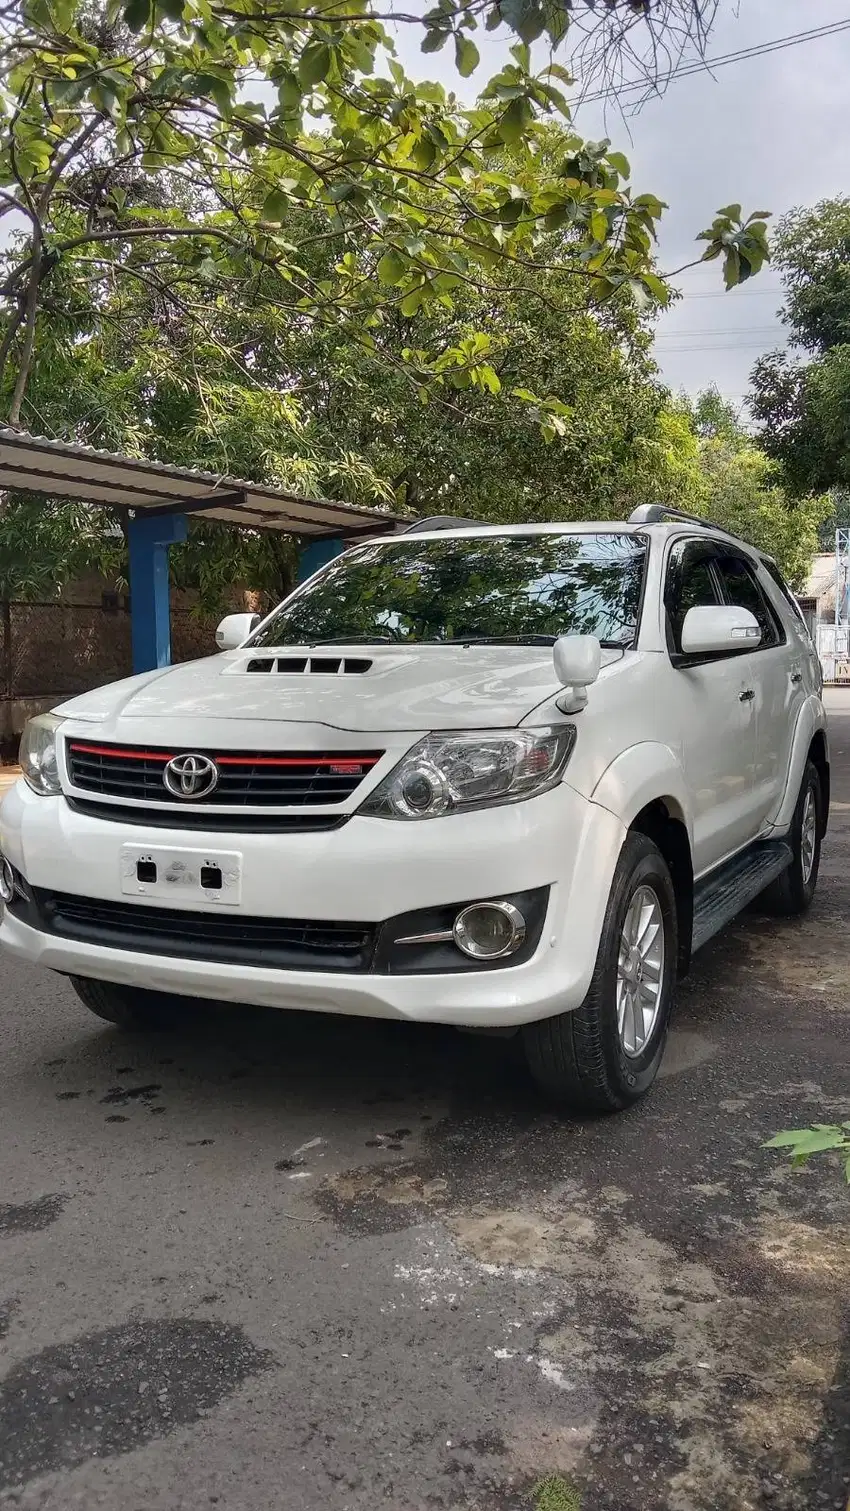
{"x": 589, "y": 1060}
{"x": 792, "y": 892}
{"x": 128, "y": 1007}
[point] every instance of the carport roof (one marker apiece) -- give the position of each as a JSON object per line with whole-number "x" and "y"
{"x": 34, "y": 464}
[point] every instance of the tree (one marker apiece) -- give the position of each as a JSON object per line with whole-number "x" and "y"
{"x": 803, "y": 408}
{"x": 813, "y": 254}
{"x": 130, "y": 141}
{"x": 253, "y": 393}
{"x": 714, "y": 419}
{"x": 743, "y": 490}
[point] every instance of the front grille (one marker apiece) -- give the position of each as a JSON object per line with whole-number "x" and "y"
{"x": 281, "y": 943}
{"x": 251, "y": 779}
{"x": 208, "y": 821}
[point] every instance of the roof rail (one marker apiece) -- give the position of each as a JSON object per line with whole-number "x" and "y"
{"x": 655, "y": 514}
{"x": 438, "y": 522}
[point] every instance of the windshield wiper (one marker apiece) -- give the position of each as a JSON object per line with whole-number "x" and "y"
{"x": 353, "y": 640}
{"x": 502, "y": 640}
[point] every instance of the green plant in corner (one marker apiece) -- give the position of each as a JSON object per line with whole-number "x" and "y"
{"x": 802, "y": 1143}
{"x": 554, "y": 1493}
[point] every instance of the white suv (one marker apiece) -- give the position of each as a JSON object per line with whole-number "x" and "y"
{"x": 498, "y": 777}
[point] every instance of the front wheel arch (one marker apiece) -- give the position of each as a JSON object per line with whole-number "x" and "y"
{"x": 662, "y": 822}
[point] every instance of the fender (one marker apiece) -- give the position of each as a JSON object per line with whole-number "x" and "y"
{"x": 641, "y": 775}
{"x": 810, "y": 720}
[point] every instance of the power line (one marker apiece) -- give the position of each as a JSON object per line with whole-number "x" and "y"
{"x": 775, "y": 293}
{"x": 728, "y": 330}
{"x": 723, "y": 60}
{"x": 676, "y": 351}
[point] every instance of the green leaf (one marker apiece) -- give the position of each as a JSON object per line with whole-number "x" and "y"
{"x": 411, "y": 302}
{"x": 221, "y": 93}
{"x": 467, "y": 56}
{"x": 391, "y": 268}
{"x": 137, "y": 14}
{"x": 314, "y": 63}
{"x": 275, "y": 207}
{"x": 289, "y": 93}
{"x": 657, "y": 287}
{"x": 620, "y": 163}
{"x": 730, "y": 212}
{"x": 732, "y": 267}
{"x": 435, "y": 38}
{"x": 806, "y": 1141}
{"x": 525, "y": 17}
{"x": 514, "y": 121}
{"x": 652, "y": 205}
{"x": 424, "y": 153}
{"x": 599, "y": 225}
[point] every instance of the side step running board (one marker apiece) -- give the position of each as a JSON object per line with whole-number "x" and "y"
{"x": 727, "y": 891}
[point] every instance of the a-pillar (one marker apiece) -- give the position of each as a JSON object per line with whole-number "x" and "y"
{"x": 317, "y": 554}
{"x": 149, "y": 537}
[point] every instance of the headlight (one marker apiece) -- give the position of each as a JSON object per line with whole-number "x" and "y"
{"x": 38, "y": 755}
{"x": 448, "y": 773}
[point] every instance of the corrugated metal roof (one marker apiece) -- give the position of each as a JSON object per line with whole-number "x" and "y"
{"x": 35, "y": 464}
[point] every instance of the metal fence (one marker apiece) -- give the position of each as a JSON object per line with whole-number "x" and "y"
{"x": 50, "y": 651}
{"x": 833, "y": 648}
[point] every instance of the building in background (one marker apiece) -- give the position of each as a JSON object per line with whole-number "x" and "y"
{"x": 817, "y": 604}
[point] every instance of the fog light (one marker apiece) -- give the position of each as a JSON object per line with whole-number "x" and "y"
{"x": 489, "y": 930}
{"x": 7, "y": 880}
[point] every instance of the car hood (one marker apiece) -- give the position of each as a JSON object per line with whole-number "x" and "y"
{"x": 385, "y": 688}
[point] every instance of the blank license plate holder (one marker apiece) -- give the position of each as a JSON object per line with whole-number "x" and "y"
{"x": 175, "y": 874}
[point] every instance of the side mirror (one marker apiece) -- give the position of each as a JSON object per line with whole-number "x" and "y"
{"x": 716, "y": 629}
{"x": 234, "y": 630}
{"x": 577, "y": 661}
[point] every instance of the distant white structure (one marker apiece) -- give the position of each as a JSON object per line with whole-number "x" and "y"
{"x": 825, "y": 605}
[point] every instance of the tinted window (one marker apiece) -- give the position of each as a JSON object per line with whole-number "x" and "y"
{"x": 690, "y": 585}
{"x": 742, "y": 590}
{"x": 776, "y": 575}
{"x": 474, "y": 588}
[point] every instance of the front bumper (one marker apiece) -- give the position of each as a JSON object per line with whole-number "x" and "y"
{"x": 369, "y": 870}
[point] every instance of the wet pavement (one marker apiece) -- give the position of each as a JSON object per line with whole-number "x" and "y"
{"x": 283, "y": 1263}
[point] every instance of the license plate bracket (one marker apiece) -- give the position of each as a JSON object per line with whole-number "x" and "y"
{"x": 198, "y": 876}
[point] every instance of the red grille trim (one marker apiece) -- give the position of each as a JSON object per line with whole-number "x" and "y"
{"x": 124, "y": 754}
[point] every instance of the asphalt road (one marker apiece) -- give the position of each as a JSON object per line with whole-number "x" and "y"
{"x": 293, "y": 1263}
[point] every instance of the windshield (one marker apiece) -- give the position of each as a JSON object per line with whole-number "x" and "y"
{"x": 490, "y": 587}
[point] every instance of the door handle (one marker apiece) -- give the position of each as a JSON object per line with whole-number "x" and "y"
{"x": 796, "y": 676}
{"x": 747, "y": 696}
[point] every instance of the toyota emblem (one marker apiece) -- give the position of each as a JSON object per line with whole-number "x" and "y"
{"x": 191, "y": 776}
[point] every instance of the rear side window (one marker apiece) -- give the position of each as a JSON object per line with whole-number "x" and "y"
{"x": 776, "y": 577}
{"x": 741, "y": 588}
{"x": 690, "y": 584}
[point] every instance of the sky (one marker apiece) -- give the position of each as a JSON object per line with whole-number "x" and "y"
{"x": 769, "y": 132}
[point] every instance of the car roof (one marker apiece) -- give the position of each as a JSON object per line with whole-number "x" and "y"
{"x": 660, "y": 528}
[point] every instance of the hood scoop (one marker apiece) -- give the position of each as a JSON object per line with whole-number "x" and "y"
{"x": 328, "y": 666}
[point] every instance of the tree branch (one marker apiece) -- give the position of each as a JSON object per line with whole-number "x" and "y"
{"x": 30, "y": 312}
